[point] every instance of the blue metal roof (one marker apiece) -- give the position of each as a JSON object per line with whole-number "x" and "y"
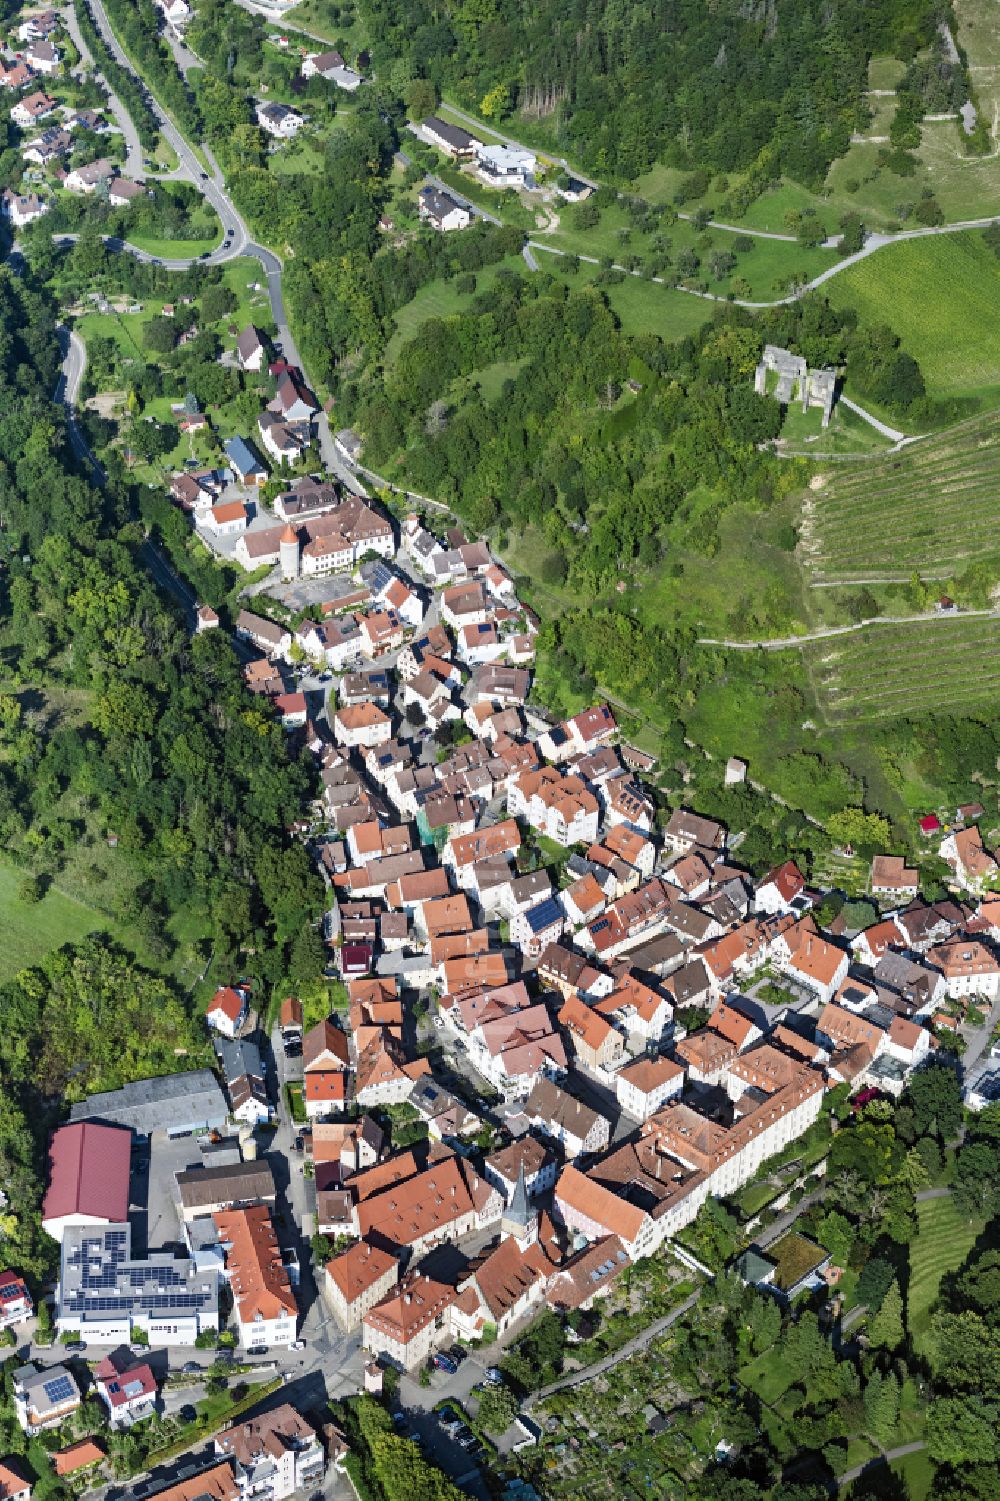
{"x": 242, "y": 456}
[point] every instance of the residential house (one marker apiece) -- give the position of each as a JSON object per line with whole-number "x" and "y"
{"x": 43, "y": 57}
{"x": 974, "y": 867}
{"x": 575, "y": 1127}
{"x": 968, "y": 967}
{"x": 361, "y": 725}
{"x": 13, "y": 1484}
{"x": 263, "y": 1301}
{"x": 893, "y": 879}
{"x": 251, "y": 351}
{"x": 21, "y": 209}
{"x": 227, "y": 1011}
{"x": 87, "y": 179}
{"x": 122, "y": 192}
{"x": 44, "y": 1398}
{"x": 596, "y": 1043}
{"x": 535, "y": 927}
{"x": 274, "y": 640}
{"x": 451, "y": 139}
{"x": 644, "y": 1087}
{"x": 245, "y": 465}
{"x": 279, "y": 120}
{"x": 127, "y": 1388}
{"x": 15, "y": 1300}
{"x": 32, "y": 108}
{"x": 274, "y": 1454}
{"x": 502, "y": 166}
{"x": 227, "y": 519}
{"x": 685, "y": 831}
{"x": 325, "y": 1062}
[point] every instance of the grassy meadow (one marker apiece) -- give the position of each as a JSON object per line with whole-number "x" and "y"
{"x": 941, "y": 295}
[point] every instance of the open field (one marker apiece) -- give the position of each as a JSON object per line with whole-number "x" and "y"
{"x": 32, "y": 930}
{"x": 941, "y": 295}
{"x": 943, "y": 1241}
{"x": 933, "y": 508}
{"x": 941, "y": 664}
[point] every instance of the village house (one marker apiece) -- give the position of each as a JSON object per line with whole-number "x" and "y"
{"x": 595, "y": 1042}
{"x": 272, "y": 639}
{"x": 356, "y": 1280}
{"x": 686, "y": 831}
{"x": 891, "y": 878}
{"x": 128, "y": 1390}
{"x": 263, "y": 1301}
{"x": 44, "y": 1398}
{"x": 573, "y": 1126}
{"x": 325, "y": 1061}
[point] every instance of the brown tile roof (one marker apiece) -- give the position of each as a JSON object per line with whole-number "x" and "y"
{"x": 359, "y": 1268}
{"x": 253, "y": 1262}
{"x": 599, "y": 1204}
{"x": 415, "y": 1303}
{"x": 75, "y": 1457}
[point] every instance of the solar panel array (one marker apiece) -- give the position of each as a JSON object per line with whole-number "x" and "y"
{"x": 100, "y": 1278}
{"x": 59, "y": 1389}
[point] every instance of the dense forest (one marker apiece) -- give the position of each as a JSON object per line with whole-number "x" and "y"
{"x": 774, "y": 86}
{"x": 114, "y": 721}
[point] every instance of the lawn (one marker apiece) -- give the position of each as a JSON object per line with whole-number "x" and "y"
{"x": 944, "y": 1239}
{"x": 32, "y": 930}
{"x": 935, "y": 505}
{"x": 768, "y": 1376}
{"x": 334, "y": 23}
{"x": 175, "y": 249}
{"x": 941, "y": 295}
{"x": 917, "y": 1472}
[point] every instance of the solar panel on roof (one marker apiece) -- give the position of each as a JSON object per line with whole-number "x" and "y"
{"x": 59, "y": 1389}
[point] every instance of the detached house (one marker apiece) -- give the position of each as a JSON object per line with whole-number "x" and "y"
{"x": 441, "y": 211}
{"x": 227, "y": 1010}
{"x": 34, "y": 107}
{"x": 974, "y": 867}
{"x": 325, "y": 1060}
{"x": 264, "y": 1304}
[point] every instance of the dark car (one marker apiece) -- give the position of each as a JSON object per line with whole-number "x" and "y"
{"x": 75, "y": 1344}
{"x": 444, "y": 1362}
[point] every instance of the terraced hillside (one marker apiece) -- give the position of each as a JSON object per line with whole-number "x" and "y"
{"x": 930, "y": 508}
{"x": 947, "y": 664}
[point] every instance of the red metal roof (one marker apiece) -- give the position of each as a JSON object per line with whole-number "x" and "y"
{"x": 88, "y": 1172}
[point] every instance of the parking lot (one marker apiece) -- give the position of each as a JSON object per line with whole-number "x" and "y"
{"x": 155, "y": 1226}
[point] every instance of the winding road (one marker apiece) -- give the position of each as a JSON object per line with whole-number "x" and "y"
{"x": 237, "y": 240}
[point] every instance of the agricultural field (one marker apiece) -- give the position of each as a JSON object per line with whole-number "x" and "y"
{"x": 941, "y": 295}
{"x": 931, "y": 508}
{"x": 951, "y": 663}
{"x": 943, "y": 1242}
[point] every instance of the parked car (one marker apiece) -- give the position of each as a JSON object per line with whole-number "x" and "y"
{"x": 444, "y": 1362}
{"x": 298, "y": 1344}
{"x": 494, "y": 1375}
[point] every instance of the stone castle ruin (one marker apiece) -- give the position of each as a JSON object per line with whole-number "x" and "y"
{"x": 814, "y": 388}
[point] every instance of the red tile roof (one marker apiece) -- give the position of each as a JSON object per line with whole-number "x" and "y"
{"x": 88, "y": 1172}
